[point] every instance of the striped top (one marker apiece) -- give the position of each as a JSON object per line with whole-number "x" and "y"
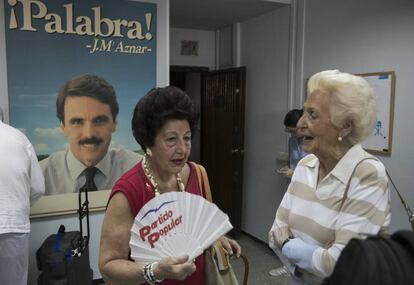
{"x": 312, "y": 211}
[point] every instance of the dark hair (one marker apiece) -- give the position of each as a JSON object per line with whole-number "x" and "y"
{"x": 292, "y": 117}
{"x": 155, "y": 108}
{"x": 87, "y": 85}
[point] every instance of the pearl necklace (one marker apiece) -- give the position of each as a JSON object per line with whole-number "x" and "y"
{"x": 154, "y": 183}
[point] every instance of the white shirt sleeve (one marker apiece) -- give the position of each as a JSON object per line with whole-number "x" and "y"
{"x": 37, "y": 181}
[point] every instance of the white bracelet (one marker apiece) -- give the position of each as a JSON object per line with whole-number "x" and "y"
{"x": 149, "y": 275}
{"x": 152, "y": 273}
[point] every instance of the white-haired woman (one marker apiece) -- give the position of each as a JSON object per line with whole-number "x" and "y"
{"x": 339, "y": 191}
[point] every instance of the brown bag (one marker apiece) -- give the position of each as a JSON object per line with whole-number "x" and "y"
{"x": 218, "y": 270}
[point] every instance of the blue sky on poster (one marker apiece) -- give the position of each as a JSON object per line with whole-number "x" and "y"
{"x": 39, "y": 63}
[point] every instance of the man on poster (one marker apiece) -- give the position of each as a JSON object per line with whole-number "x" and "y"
{"x": 87, "y": 109}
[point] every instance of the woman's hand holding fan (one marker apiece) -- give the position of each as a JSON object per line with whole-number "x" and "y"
{"x": 176, "y": 224}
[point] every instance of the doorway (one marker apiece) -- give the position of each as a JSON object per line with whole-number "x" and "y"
{"x": 188, "y": 79}
{"x": 219, "y": 96}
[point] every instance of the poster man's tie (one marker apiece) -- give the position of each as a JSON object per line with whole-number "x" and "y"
{"x": 90, "y": 174}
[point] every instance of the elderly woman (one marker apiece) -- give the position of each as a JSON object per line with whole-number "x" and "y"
{"x": 339, "y": 191}
{"x": 163, "y": 123}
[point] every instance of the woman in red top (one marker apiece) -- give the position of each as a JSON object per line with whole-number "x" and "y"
{"x": 163, "y": 123}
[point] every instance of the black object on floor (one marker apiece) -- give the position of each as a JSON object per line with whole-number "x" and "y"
{"x": 63, "y": 258}
{"x": 60, "y": 264}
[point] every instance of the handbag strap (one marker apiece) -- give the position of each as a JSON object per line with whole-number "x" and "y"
{"x": 406, "y": 207}
{"x": 222, "y": 258}
{"x": 203, "y": 182}
{"x": 217, "y": 250}
{"x": 349, "y": 181}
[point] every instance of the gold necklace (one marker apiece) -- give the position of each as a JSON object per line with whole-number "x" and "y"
{"x": 154, "y": 183}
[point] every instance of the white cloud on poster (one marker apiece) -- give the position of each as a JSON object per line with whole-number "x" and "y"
{"x": 55, "y": 133}
{"x": 47, "y": 140}
{"x": 42, "y": 148}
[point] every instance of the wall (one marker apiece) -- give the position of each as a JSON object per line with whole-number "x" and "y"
{"x": 206, "y": 47}
{"x": 368, "y": 36}
{"x": 265, "y": 53}
{"x": 41, "y": 228}
{"x": 163, "y": 40}
{"x": 225, "y": 47}
{"x": 264, "y": 50}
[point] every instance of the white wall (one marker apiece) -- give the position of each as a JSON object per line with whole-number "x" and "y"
{"x": 163, "y": 41}
{"x": 265, "y": 53}
{"x": 41, "y": 228}
{"x": 206, "y": 47}
{"x": 367, "y": 36}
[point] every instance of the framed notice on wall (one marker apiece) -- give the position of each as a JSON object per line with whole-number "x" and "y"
{"x": 383, "y": 83}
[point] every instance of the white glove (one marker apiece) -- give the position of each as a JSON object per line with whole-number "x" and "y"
{"x": 300, "y": 253}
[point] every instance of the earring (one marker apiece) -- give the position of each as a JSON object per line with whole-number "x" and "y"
{"x": 148, "y": 152}
{"x": 339, "y": 138}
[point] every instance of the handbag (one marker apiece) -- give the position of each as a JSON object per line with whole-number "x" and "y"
{"x": 217, "y": 267}
{"x": 376, "y": 260}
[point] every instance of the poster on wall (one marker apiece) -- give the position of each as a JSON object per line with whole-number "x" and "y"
{"x": 49, "y": 42}
{"x": 383, "y": 84}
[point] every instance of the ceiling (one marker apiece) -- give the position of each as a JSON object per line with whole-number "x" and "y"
{"x": 215, "y": 14}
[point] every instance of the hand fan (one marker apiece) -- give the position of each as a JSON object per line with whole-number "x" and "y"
{"x": 174, "y": 224}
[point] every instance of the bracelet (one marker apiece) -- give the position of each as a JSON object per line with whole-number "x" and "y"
{"x": 149, "y": 275}
{"x": 146, "y": 274}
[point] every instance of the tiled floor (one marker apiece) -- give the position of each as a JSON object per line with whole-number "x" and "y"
{"x": 261, "y": 260}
